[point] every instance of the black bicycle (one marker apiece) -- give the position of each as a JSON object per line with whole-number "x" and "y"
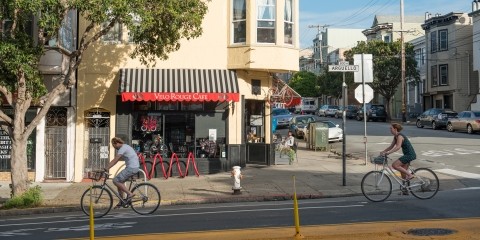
{"x": 146, "y": 198}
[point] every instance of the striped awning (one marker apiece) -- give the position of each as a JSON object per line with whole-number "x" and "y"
{"x": 146, "y": 84}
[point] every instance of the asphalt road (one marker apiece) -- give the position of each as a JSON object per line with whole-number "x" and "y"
{"x": 216, "y": 219}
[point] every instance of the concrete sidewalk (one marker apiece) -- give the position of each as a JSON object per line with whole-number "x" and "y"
{"x": 317, "y": 175}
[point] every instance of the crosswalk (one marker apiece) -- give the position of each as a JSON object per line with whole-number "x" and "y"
{"x": 458, "y": 173}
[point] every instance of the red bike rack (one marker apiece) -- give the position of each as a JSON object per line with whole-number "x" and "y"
{"x": 142, "y": 160}
{"x": 192, "y": 158}
{"x": 174, "y": 155}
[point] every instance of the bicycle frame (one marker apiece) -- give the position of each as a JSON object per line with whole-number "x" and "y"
{"x": 105, "y": 185}
{"x": 388, "y": 169}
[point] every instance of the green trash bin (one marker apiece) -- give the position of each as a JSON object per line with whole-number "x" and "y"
{"x": 320, "y": 138}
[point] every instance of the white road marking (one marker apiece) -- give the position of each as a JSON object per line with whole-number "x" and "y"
{"x": 459, "y": 173}
{"x": 468, "y": 188}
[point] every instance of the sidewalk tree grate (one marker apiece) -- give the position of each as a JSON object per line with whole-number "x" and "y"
{"x": 430, "y": 231}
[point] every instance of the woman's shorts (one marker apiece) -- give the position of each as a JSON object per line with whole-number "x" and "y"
{"x": 407, "y": 158}
{"x": 125, "y": 174}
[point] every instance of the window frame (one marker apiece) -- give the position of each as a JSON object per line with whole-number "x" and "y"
{"x": 288, "y": 23}
{"x": 260, "y": 4}
{"x": 433, "y": 42}
{"x": 442, "y": 40}
{"x": 236, "y": 22}
{"x": 443, "y": 74}
{"x": 116, "y": 37}
{"x": 434, "y": 73}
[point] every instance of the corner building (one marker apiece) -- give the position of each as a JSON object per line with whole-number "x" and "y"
{"x": 203, "y": 100}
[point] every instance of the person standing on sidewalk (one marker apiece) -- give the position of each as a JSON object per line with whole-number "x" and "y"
{"x": 132, "y": 166}
{"x": 401, "y": 141}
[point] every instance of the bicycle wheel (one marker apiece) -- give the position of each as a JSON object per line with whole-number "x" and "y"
{"x": 146, "y": 200}
{"x": 376, "y": 186}
{"x": 425, "y": 183}
{"x": 272, "y": 95}
{"x": 101, "y": 199}
{"x": 287, "y": 96}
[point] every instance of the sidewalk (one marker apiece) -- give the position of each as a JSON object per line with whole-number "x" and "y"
{"x": 317, "y": 175}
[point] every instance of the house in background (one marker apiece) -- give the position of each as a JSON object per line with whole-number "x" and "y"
{"x": 415, "y": 90}
{"x": 451, "y": 80}
{"x": 475, "y": 15}
{"x": 206, "y": 99}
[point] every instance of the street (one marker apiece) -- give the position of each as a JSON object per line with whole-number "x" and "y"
{"x": 224, "y": 217}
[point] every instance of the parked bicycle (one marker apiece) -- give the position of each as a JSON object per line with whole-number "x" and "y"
{"x": 377, "y": 185}
{"x": 146, "y": 199}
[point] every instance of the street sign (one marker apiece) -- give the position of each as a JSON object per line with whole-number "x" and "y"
{"x": 366, "y": 65}
{"x": 343, "y": 68}
{"x": 368, "y": 93}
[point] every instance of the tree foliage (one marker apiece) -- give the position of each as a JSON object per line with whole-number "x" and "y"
{"x": 387, "y": 65}
{"x": 305, "y": 83}
{"x": 331, "y": 83}
{"x": 157, "y": 26}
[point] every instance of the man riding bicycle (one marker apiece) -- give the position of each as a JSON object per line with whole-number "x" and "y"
{"x": 132, "y": 166}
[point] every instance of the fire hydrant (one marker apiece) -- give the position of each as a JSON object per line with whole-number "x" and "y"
{"x": 237, "y": 176}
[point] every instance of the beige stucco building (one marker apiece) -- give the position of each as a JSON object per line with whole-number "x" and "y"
{"x": 205, "y": 99}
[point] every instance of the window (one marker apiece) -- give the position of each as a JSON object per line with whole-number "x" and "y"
{"x": 288, "y": 25}
{"x": 114, "y": 35}
{"x": 434, "y": 76}
{"x": 239, "y": 21}
{"x": 433, "y": 42}
{"x": 443, "y": 40}
{"x": 387, "y": 39}
{"x": 266, "y": 21}
{"x": 443, "y": 74}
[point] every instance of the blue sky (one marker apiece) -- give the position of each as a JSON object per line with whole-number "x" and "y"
{"x": 360, "y": 13}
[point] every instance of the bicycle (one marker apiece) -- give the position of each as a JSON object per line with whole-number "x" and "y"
{"x": 377, "y": 185}
{"x": 146, "y": 199}
{"x": 284, "y": 95}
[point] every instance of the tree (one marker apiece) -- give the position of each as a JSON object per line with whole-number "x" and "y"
{"x": 387, "y": 66}
{"x": 331, "y": 83}
{"x": 305, "y": 84}
{"x": 156, "y": 26}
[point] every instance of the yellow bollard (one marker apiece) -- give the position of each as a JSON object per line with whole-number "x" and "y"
{"x": 296, "y": 217}
{"x": 92, "y": 227}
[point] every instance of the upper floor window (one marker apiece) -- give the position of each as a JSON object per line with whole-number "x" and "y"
{"x": 433, "y": 41}
{"x": 114, "y": 35}
{"x": 387, "y": 39}
{"x": 420, "y": 57}
{"x": 288, "y": 25}
{"x": 434, "y": 76}
{"x": 443, "y": 70}
{"x": 443, "y": 40}
{"x": 266, "y": 21}
{"x": 239, "y": 21}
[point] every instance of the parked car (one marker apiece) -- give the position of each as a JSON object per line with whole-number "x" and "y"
{"x": 468, "y": 121}
{"x": 331, "y": 110}
{"x": 351, "y": 112}
{"x": 283, "y": 116}
{"x": 298, "y": 122}
{"x": 435, "y": 117}
{"x": 335, "y": 133}
{"x": 375, "y": 112}
{"x": 321, "y": 111}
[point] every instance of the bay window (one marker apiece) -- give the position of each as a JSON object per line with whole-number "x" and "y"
{"x": 266, "y": 21}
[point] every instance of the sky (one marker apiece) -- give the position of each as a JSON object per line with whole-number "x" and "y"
{"x": 360, "y": 13}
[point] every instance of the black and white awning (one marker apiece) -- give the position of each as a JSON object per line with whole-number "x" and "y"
{"x": 146, "y": 84}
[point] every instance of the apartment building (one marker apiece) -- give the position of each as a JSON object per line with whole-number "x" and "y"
{"x": 414, "y": 90}
{"x": 451, "y": 81}
{"x": 206, "y": 99}
{"x": 475, "y": 15}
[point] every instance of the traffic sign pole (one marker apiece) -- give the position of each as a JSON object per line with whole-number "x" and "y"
{"x": 364, "y": 113}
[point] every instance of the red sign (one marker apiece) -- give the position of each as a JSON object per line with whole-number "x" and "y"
{"x": 180, "y": 97}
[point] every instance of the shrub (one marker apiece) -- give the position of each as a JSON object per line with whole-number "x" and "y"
{"x": 31, "y": 198}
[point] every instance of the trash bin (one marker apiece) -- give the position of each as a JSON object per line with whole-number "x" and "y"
{"x": 320, "y": 136}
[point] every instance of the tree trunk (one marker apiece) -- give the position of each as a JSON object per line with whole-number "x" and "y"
{"x": 19, "y": 171}
{"x": 388, "y": 109}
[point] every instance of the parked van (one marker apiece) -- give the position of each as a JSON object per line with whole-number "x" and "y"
{"x": 308, "y": 105}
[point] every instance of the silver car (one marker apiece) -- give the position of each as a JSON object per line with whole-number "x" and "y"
{"x": 468, "y": 121}
{"x": 283, "y": 116}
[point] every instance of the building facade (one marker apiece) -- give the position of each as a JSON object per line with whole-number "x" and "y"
{"x": 206, "y": 99}
{"x": 451, "y": 81}
{"x": 475, "y": 15}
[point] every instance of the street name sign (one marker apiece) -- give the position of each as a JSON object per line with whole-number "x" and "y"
{"x": 343, "y": 68}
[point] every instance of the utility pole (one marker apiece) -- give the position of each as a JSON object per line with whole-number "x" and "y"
{"x": 404, "y": 118}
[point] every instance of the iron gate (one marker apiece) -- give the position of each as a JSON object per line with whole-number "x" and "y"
{"x": 56, "y": 143}
{"x": 97, "y": 123}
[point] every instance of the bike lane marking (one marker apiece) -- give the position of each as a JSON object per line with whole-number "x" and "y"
{"x": 458, "y": 173}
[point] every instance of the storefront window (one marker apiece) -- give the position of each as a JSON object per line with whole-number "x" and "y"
{"x": 180, "y": 128}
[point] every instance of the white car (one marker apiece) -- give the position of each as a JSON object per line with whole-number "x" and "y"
{"x": 335, "y": 133}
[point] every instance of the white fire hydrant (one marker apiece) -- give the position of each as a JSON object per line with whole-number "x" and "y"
{"x": 237, "y": 176}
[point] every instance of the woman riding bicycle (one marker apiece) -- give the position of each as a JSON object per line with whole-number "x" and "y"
{"x": 401, "y": 141}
